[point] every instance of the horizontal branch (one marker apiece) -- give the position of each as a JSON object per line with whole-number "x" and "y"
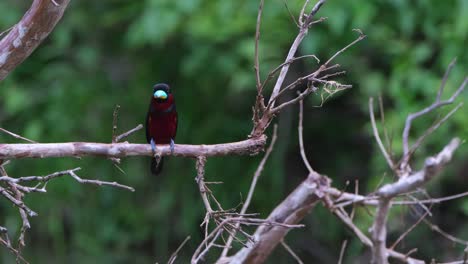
{"x": 27, "y": 34}
{"x": 250, "y": 146}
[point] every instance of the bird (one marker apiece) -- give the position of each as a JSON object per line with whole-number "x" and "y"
{"x": 161, "y": 122}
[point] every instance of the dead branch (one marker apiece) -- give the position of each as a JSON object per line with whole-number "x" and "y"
{"x": 262, "y": 119}
{"x": 377, "y": 136}
{"x": 437, "y": 104}
{"x": 173, "y": 257}
{"x": 17, "y": 136}
{"x": 405, "y": 184}
{"x": 128, "y": 133}
{"x": 291, "y": 252}
{"x": 301, "y": 139}
{"x": 431, "y": 167}
{"x": 28, "y": 33}
{"x": 255, "y": 178}
{"x": 211, "y": 238}
{"x": 79, "y": 149}
{"x": 291, "y": 211}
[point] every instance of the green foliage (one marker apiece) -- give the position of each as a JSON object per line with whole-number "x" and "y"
{"x": 105, "y": 53}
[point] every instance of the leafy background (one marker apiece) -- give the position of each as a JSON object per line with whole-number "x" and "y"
{"x": 104, "y": 53}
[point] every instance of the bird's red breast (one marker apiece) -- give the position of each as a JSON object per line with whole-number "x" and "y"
{"x": 161, "y": 121}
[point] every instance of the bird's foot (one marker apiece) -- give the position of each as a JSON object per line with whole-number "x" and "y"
{"x": 156, "y": 153}
{"x": 172, "y": 146}
{"x": 153, "y": 146}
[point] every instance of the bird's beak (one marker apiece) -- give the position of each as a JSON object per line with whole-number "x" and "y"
{"x": 159, "y": 94}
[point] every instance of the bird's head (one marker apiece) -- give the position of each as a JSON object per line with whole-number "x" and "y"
{"x": 161, "y": 92}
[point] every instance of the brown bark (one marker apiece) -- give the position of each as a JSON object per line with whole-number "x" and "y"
{"x": 29, "y": 32}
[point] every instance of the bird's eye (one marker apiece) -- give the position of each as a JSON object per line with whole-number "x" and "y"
{"x": 160, "y": 94}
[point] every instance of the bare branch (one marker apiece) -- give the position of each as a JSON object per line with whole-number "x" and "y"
{"x": 128, "y": 133}
{"x": 17, "y": 136}
{"x": 78, "y": 149}
{"x": 174, "y": 255}
{"x": 342, "y": 251}
{"x": 361, "y": 37}
{"x": 273, "y": 72}
{"x": 290, "y": 14}
{"x": 257, "y": 39}
{"x": 405, "y": 184}
{"x": 301, "y": 14}
{"x": 17, "y": 202}
{"x": 301, "y": 139}
{"x": 377, "y": 136}
{"x": 431, "y": 129}
{"x": 291, "y": 252}
{"x": 302, "y": 32}
{"x": 255, "y": 178}
{"x": 28, "y": 33}
{"x": 295, "y": 100}
{"x": 100, "y": 183}
{"x": 291, "y": 211}
{"x": 445, "y": 78}
{"x": 200, "y": 179}
{"x": 114, "y": 123}
{"x": 402, "y": 236}
{"x": 199, "y": 253}
{"x": 446, "y": 235}
{"x": 437, "y": 104}
{"x": 431, "y": 167}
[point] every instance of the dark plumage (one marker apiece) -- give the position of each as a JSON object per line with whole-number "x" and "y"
{"x": 161, "y": 121}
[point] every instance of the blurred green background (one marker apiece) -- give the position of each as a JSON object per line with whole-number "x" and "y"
{"x": 104, "y": 53}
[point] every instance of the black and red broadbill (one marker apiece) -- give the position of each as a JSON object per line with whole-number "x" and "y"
{"x": 161, "y": 122}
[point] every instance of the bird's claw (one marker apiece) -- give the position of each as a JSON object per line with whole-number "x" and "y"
{"x": 153, "y": 147}
{"x": 172, "y": 146}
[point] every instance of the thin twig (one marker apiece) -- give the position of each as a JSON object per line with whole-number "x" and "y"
{"x": 100, "y": 183}
{"x": 292, "y": 51}
{"x": 448, "y": 236}
{"x": 17, "y": 202}
{"x": 273, "y": 72}
{"x": 377, "y": 136}
{"x": 290, "y": 14}
{"x": 257, "y": 39}
{"x": 382, "y": 121}
{"x": 253, "y": 184}
{"x": 437, "y": 104}
{"x": 445, "y": 78}
{"x": 295, "y": 100}
{"x": 200, "y": 166}
{"x": 431, "y": 129}
{"x": 301, "y": 139}
{"x": 402, "y": 236}
{"x": 174, "y": 255}
{"x": 128, "y": 133}
{"x": 114, "y": 123}
{"x": 301, "y": 14}
{"x": 17, "y": 136}
{"x": 291, "y": 252}
{"x": 361, "y": 37}
{"x": 342, "y": 251}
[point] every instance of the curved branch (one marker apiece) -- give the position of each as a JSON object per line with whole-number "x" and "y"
{"x": 25, "y": 36}
{"x": 117, "y": 150}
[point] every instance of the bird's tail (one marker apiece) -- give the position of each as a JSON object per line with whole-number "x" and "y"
{"x": 156, "y": 166}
